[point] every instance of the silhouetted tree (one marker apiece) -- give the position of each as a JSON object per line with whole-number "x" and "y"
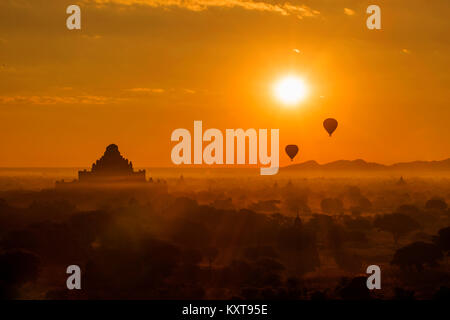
{"x": 297, "y": 203}
{"x": 265, "y": 206}
{"x": 442, "y": 240}
{"x": 357, "y": 199}
{"x": 424, "y": 218}
{"x": 363, "y": 203}
{"x": 417, "y": 255}
{"x": 332, "y": 205}
{"x": 358, "y": 223}
{"x": 436, "y": 204}
{"x": 347, "y": 261}
{"x": 408, "y": 209}
{"x": 353, "y": 192}
{"x": 354, "y": 289}
{"x": 17, "y": 268}
{"x": 397, "y": 224}
{"x": 132, "y": 269}
{"x": 355, "y": 211}
{"x": 190, "y": 233}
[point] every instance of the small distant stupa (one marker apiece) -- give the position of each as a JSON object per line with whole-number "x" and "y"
{"x": 110, "y": 168}
{"x": 401, "y": 181}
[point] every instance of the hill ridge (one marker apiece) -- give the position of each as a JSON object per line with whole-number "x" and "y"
{"x": 362, "y": 165}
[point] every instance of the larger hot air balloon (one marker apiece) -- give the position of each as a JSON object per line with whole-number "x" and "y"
{"x": 291, "y": 151}
{"x": 330, "y": 125}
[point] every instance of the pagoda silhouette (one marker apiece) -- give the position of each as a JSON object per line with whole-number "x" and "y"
{"x": 111, "y": 168}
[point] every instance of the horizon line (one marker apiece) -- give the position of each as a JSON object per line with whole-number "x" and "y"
{"x": 220, "y": 166}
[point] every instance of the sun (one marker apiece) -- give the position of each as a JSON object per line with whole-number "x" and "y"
{"x": 290, "y": 90}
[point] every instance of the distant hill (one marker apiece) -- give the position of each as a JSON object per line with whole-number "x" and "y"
{"x": 361, "y": 165}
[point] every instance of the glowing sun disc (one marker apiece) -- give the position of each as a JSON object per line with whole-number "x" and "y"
{"x": 291, "y": 90}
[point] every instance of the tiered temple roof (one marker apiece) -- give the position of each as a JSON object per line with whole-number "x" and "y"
{"x": 112, "y": 167}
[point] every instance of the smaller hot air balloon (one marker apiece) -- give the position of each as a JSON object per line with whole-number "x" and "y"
{"x": 330, "y": 125}
{"x": 291, "y": 151}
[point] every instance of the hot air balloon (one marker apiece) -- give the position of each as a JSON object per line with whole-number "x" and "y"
{"x": 291, "y": 151}
{"x": 330, "y": 125}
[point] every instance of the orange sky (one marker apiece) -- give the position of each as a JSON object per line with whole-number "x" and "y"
{"x": 139, "y": 69}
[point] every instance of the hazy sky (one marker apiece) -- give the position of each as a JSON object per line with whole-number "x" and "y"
{"x": 139, "y": 69}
